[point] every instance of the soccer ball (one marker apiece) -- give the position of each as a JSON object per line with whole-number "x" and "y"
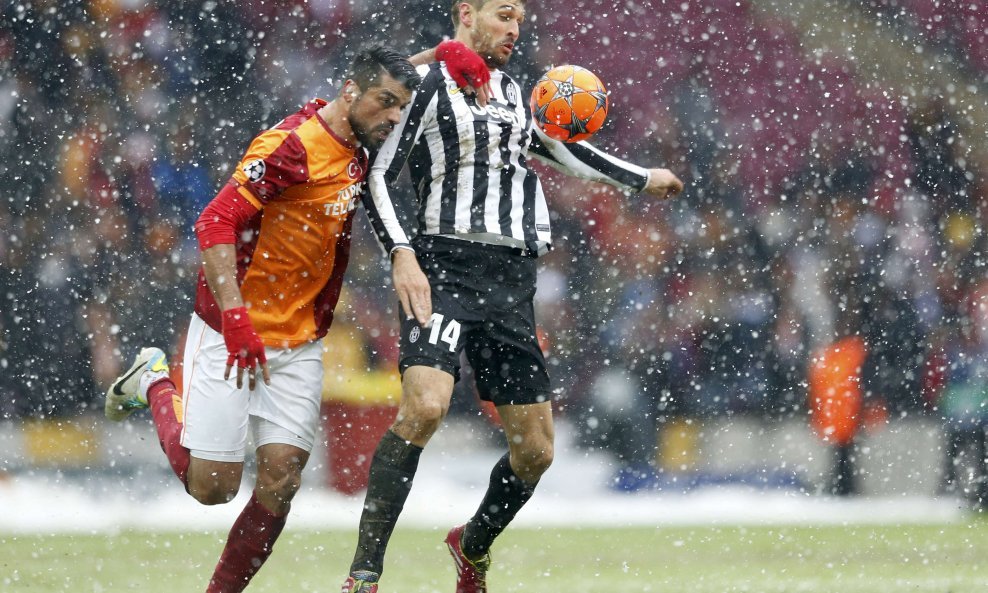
{"x": 569, "y": 103}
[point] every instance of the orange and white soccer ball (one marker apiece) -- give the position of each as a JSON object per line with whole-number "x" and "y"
{"x": 569, "y": 103}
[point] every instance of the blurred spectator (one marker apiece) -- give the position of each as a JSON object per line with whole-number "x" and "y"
{"x": 622, "y": 423}
{"x": 896, "y": 350}
{"x": 51, "y": 321}
{"x": 155, "y": 304}
{"x": 183, "y": 187}
{"x": 963, "y": 404}
{"x": 836, "y": 399}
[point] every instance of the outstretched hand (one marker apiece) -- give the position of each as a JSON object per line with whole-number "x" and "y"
{"x": 662, "y": 183}
{"x": 412, "y": 286}
{"x": 467, "y": 68}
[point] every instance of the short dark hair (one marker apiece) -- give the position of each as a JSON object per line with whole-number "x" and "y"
{"x": 372, "y": 60}
{"x": 454, "y": 11}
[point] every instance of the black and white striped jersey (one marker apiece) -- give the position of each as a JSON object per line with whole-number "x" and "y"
{"x": 469, "y": 165}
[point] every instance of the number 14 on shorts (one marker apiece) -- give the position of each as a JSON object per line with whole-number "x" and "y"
{"x": 449, "y": 335}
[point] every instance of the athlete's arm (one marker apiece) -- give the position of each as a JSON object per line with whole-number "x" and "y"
{"x": 217, "y": 228}
{"x": 662, "y": 183}
{"x": 466, "y": 67}
{"x": 583, "y": 160}
{"x": 219, "y": 263}
{"x": 391, "y": 159}
{"x": 423, "y": 58}
{"x": 410, "y": 283}
{"x": 274, "y": 162}
{"x": 411, "y": 286}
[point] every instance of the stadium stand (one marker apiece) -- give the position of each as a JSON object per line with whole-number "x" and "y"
{"x": 814, "y": 188}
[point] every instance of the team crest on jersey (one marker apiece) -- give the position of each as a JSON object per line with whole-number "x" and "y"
{"x": 354, "y": 169}
{"x": 510, "y": 94}
{"x": 255, "y": 170}
{"x": 413, "y": 336}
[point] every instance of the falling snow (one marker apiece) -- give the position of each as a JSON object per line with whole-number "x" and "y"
{"x": 809, "y": 316}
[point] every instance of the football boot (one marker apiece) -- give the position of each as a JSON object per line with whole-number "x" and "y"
{"x": 129, "y": 390}
{"x": 361, "y": 581}
{"x": 471, "y": 575}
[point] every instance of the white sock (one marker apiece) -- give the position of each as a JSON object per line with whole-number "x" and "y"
{"x": 148, "y": 378}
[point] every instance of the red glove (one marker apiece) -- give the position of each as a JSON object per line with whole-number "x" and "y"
{"x": 465, "y": 66}
{"x": 242, "y": 342}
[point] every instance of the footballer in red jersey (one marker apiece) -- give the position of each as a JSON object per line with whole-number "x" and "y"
{"x": 275, "y": 243}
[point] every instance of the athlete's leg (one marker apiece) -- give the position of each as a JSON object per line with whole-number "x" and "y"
{"x": 147, "y": 385}
{"x": 210, "y": 425}
{"x": 249, "y": 544}
{"x": 166, "y": 410}
{"x": 529, "y": 431}
{"x": 511, "y": 372}
{"x": 425, "y": 399}
{"x": 430, "y": 363}
{"x": 209, "y": 481}
{"x": 284, "y": 421}
{"x": 279, "y": 475}
{"x": 425, "y": 395}
{"x": 214, "y": 482}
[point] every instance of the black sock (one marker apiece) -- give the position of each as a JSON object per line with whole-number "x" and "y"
{"x": 505, "y": 496}
{"x": 390, "y": 481}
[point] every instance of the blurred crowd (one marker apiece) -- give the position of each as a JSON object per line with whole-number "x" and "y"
{"x": 818, "y": 207}
{"x": 819, "y": 204}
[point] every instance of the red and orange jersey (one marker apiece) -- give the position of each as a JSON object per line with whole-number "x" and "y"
{"x": 305, "y": 183}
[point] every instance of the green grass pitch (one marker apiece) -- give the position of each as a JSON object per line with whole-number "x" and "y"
{"x": 853, "y": 559}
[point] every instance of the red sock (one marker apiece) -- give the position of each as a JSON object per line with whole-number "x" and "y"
{"x": 247, "y": 547}
{"x": 166, "y": 407}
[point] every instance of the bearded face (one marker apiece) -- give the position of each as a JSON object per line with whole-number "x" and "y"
{"x": 376, "y": 111}
{"x": 370, "y": 132}
{"x": 496, "y": 30}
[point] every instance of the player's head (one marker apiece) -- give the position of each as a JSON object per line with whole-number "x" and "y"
{"x": 380, "y": 82}
{"x": 489, "y": 27}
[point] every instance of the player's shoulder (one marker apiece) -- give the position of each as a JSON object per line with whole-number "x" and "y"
{"x": 434, "y": 77}
{"x": 432, "y": 74}
{"x": 501, "y": 77}
{"x": 303, "y": 127}
{"x": 290, "y": 139}
{"x": 305, "y": 113}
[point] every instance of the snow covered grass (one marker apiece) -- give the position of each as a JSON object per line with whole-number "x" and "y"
{"x": 701, "y": 559}
{"x": 136, "y": 530}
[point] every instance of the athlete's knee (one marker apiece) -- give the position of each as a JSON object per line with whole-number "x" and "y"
{"x": 211, "y": 482}
{"x": 213, "y": 491}
{"x": 418, "y": 426}
{"x": 429, "y": 411}
{"x": 279, "y": 483}
{"x": 421, "y": 414}
{"x": 279, "y": 472}
{"x": 529, "y": 463}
